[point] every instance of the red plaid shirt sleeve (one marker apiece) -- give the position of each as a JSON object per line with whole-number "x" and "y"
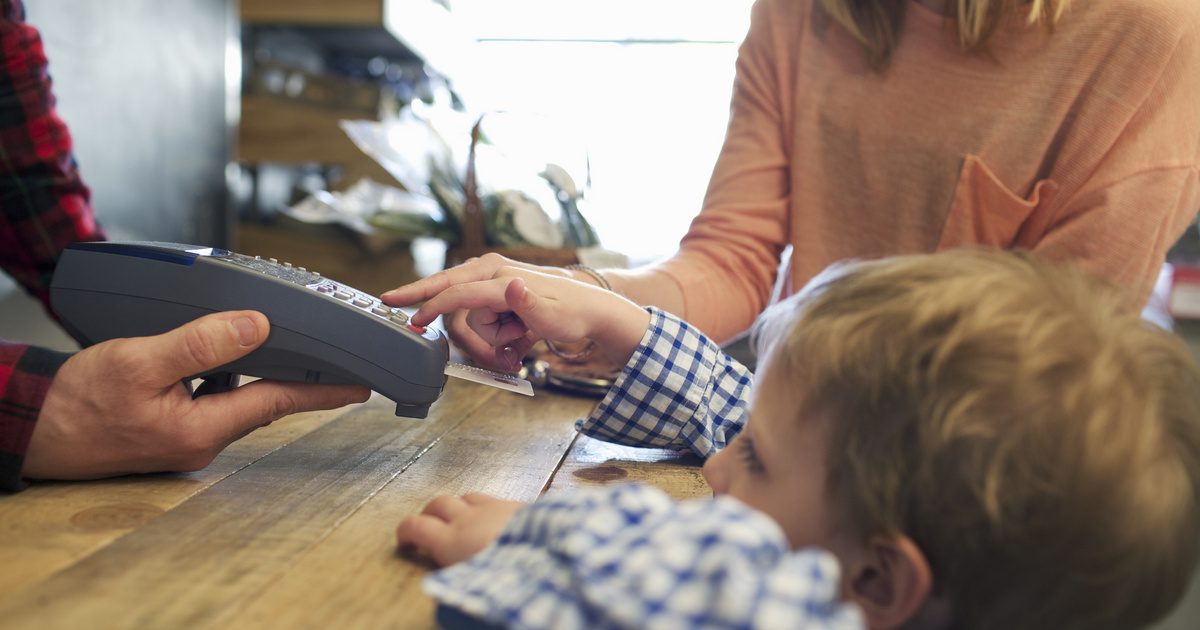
{"x": 44, "y": 206}
{"x": 25, "y": 375}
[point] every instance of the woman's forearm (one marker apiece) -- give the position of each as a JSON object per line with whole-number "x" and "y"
{"x": 645, "y": 286}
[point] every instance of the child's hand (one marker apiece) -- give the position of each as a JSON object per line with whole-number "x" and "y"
{"x": 452, "y": 529}
{"x": 516, "y": 306}
{"x": 474, "y": 270}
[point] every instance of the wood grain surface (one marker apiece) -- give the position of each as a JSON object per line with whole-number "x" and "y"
{"x": 293, "y": 526}
{"x": 319, "y": 12}
{"x": 592, "y": 462}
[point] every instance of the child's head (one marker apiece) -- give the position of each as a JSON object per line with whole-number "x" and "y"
{"x": 1000, "y": 433}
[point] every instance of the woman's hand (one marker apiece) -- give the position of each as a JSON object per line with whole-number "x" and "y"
{"x": 452, "y": 529}
{"x": 460, "y": 332}
{"x": 510, "y": 307}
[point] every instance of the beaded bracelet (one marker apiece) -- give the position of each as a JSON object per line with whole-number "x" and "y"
{"x": 582, "y": 355}
{"x": 593, "y": 273}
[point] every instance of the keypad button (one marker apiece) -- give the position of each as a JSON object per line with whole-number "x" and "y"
{"x": 301, "y": 268}
{"x": 399, "y": 317}
{"x": 362, "y": 302}
{"x": 287, "y": 264}
{"x": 420, "y": 330}
{"x": 381, "y": 311}
{"x": 325, "y": 288}
{"x": 274, "y": 260}
{"x": 343, "y": 295}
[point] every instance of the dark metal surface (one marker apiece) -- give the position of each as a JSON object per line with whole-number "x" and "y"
{"x": 541, "y": 374}
{"x": 142, "y": 87}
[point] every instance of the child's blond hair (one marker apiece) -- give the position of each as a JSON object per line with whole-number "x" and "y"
{"x": 1037, "y": 440}
{"x": 877, "y": 24}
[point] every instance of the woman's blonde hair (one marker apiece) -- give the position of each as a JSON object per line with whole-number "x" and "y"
{"x": 1037, "y": 440}
{"x": 876, "y": 23}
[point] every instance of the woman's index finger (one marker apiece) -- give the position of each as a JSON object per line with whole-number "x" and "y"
{"x": 431, "y": 286}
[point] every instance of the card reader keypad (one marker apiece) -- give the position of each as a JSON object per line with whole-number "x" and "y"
{"x": 272, "y": 267}
{"x": 361, "y": 300}
{"x": 313, "y": 280}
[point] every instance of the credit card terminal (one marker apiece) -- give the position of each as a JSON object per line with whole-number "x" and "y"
{"x": 322, "y": 331}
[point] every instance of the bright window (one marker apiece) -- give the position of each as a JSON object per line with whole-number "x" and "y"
{"x": 646, "y": 84}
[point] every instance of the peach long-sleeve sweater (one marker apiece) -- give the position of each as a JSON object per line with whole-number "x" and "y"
{"x": 1082, "y": 144}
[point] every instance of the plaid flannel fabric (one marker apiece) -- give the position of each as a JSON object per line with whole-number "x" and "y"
{"x": 25, "y": 375}
{"x": 678, "y": 390}
{"x": 44, "y": 206}
{"x": 629, "y": 556}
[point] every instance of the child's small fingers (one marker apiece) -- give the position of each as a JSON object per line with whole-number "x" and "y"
{"x": 424, "y": 532}
{"x": 496, "y": 328}
{"x": 471, "y": 344}
{"x": 511, "y": 354}
{"x": 553, "y": 314}
{"x": 477, "y": 498}
{"x": 404, "y": 532}
{"x": 445, "y": 507}
{"x": 523, "y": 345}
{"x": 511, "y": 331}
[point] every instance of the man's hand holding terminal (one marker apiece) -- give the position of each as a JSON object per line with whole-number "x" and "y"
{"x": 121, "y": 407}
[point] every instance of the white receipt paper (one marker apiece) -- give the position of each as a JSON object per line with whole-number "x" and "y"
{"x": 510, "y": 382}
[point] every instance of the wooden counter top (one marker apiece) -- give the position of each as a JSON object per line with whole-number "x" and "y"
{"x": 293, "y": 526}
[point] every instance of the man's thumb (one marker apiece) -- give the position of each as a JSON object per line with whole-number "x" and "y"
{"x": 206, "y": 343}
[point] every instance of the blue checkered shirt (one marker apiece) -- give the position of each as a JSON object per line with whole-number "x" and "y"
{"x": 678, "y": 390}
{"x": 629, "y": 556}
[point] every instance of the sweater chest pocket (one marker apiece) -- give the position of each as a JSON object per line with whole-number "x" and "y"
{"x": 985, "y": 212}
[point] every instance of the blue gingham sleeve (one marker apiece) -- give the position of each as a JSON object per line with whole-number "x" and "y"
{"x": 678, "y": 390}
{"x": 629, "y": 556}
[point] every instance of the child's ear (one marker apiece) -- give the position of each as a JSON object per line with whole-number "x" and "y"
{"x": 891, "y": 582}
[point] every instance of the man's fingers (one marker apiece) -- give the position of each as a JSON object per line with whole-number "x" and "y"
{"x": 197, "y": 346}
{"x": 232, "y": 414}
